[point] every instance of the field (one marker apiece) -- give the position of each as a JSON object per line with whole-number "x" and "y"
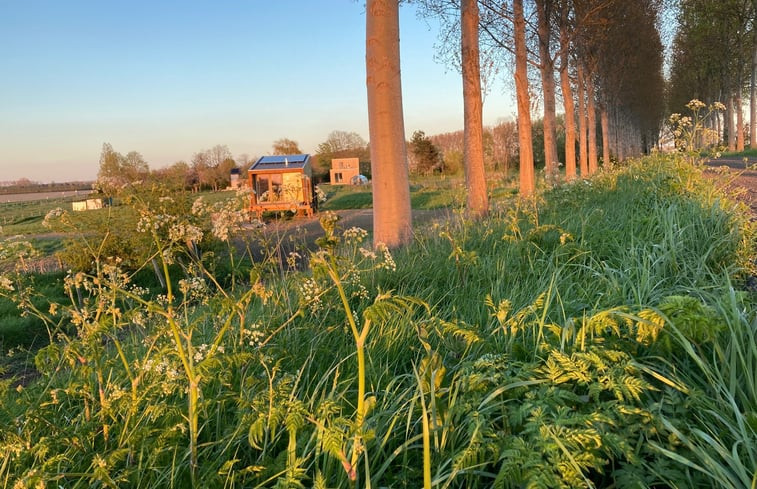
{"x": 602, "y": 334}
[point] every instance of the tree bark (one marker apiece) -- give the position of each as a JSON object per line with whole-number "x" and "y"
{"x": 729, "y": 128}
{"x": 583, "y": 155}
{"x": 473, "y": 131}
{"x": 527, "y": 177}
{"x": 392, "y": 223}
{"x": 591, "y": 123}
{"x": 567, "y": 95}
{"x": 547, "y": 71}
{"x": 739, "y": 109}
{"x": 753, "y": 97}
{"x": 604, "y": 118}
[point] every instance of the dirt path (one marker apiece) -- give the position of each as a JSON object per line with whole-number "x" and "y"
{"x": 293, "y": 234}
{"x": 744, "y": 172}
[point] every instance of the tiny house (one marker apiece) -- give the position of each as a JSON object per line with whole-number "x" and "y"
{"x": 282, "y": 183}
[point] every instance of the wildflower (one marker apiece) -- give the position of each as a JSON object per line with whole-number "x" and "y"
{"x": 695, "y": 105}
{"x": 199, "y": 207}
{"x": 253, "y": 336}
{"x": 98, "y": 461}
{"x": 292, "y": 258}
{"x": 200, "y": 353}
{"x": 389, "y": 263}
{"x": 354, "y": 235}
{"x": 361, "y": 292}
{"x": 368, "y": 253}
{"x": 228, "y": 220}
{"x": 184, "y": 232}
{"x": 6, "y": 284}
{"x": 311, "y": 294}
{"x": 320, "y": 195}
{"x": 193, "y": 287}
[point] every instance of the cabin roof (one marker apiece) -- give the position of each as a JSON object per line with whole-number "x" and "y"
{"x": 281, "y": 162}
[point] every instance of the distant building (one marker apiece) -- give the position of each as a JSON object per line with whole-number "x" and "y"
{"x": 282, "y": 183}
{"x": 234, "y": 178}
{"x": 343, "y": 170}
{"x": 87, "y": 205}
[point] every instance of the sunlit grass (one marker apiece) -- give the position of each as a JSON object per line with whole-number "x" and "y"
{"x": 751, "y": 153}
{"x": 600, "y": 335}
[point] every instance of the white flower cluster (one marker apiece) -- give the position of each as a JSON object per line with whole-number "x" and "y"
{"x": 14, "y": 250}
{"x": 718, "y": 106}
{"x": 114, "y": 274}
{"x": 77, "y": 281}
{"x": 227, "y": 221}
{"x": 253, "y": 336}
{"x": 320, "y": 195}
{"x": 388, "y": 262}
{"x": 199, "y": 207}
{"x": 160, "y": 368}
{"x": 193, "y": 288}
{"x": 695, "y": 105}
{"x": 370, "y": 254}
{"x": 201, "y": 353}
{"x": 354, "y": 235}
{"x": 227, "y": 217}
{"x": 183, "y": 231}
{"x": 149, "y": 222}
{"x": 311, "y": 294}
{"x": 6, "y": 284}
{"x": 361, "y": 292}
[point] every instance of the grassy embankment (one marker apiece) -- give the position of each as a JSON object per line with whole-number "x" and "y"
{"x": 601, "y": 336}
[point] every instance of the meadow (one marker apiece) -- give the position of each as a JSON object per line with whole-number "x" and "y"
{"x": 602, "y": 334}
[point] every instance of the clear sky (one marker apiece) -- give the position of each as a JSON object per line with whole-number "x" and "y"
{"x": 171, "y": 78}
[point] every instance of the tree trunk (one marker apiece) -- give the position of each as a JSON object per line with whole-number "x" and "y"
{"x": 604, "y": 117}
{"x": 567, "y": 95}
{"x": 473, "y": 131}
{"x": 392, "y": 223}
{"x": 739, "y": 109}
{"x": 729, "y": 128}
{"x": 591, "y": 122}
{"x": 583, "y": 155}
{"x": 753, "y": 97}
{"x": 547, "y": 71}
{"x": 527, "y": 177}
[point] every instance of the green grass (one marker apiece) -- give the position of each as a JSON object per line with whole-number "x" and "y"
{"x": 751, "y": 153}
{"x": 425, "y": 194}
{"x": 600, "y": 335}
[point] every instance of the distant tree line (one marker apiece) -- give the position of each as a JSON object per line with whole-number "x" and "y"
{"x": 24, "y": 185}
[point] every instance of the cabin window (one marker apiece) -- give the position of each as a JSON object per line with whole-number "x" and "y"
{"x": 268, "y": 187}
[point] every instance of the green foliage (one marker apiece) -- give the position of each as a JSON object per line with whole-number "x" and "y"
{"x": 427, "y": 156}
{"x": 593, "y": 337}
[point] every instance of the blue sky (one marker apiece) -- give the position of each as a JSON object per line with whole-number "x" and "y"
{"x": 171, "y": 78}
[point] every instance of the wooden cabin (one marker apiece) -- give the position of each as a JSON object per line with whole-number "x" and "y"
{"x": 282, "y": 183}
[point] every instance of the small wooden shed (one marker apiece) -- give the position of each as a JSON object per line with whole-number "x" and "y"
{"x": 282, "y": 183}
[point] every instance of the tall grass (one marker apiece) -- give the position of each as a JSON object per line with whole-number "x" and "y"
{"x": 597, "y": 336}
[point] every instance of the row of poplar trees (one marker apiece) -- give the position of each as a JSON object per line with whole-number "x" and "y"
{"x": 607, "y": 55}
{"x": 714, "y": 59}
